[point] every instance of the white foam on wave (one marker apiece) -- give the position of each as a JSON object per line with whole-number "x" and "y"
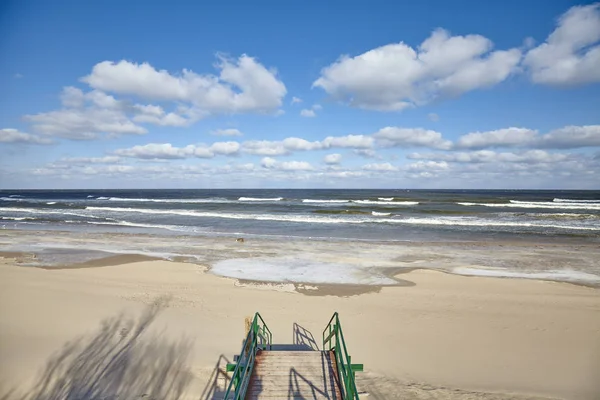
{"x": 241, "y": 216}
{"x": 462, "y": 221}
{"x": 90, "y": 196}
{"x": 324, "y": 201}
{"x": 574, "y": 201}
{"x": 15, "y": 195}
{"x": 260, "y": 199}
{"x": 567, "y": 275}
{"x": 298, "y": 270}
{"x": 449, "y": 221}
{"x": 10, "y": 198}
{"x": 136, "y": 225}
{"x": 103, "y": 198}
{"x": 16, "y": 218}
{"x": 534, "y": 204}
{"x": 386, "y": 198}
{"x": 379, "y": 214}
{"x": 45, "y": 212}
{"x": 387, "y": 203}
{"x": 51, "y": 202}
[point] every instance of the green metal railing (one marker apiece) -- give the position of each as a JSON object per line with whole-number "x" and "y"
{"x": 259, "y": 338}
{"x": 333, "y": 339}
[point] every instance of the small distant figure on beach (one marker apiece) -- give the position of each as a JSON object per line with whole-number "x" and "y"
{"x": 241, "y": 240}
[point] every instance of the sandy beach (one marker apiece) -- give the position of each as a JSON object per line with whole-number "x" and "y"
{"x": 439, "y": 336}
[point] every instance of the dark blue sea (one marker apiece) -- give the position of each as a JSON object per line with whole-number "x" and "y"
{"x": 379, "y": 215}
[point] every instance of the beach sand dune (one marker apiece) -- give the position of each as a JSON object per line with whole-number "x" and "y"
{"x": 163, "y": 329}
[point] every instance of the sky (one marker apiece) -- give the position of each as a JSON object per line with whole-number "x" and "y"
{"x": 290, "y": 94}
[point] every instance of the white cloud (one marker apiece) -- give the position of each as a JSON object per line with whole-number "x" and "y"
{"x": 296, "y": 100}
{"x": 294, "y": 166}
{"x": 411, "y": 137}
{"x": 264, "y": 148}
{"x": 571, "y": 54}
{"x": 294, "y": 143}
{"x": 226, "y": 132}
{"x": 382, "y": 167}
{"x": 156, "y": 115}
{"x": 91, "y": 160}
{"x": 332, "y": 159}
{"x": 84, "y": 116}
{"x": 268, "y": 162}
{"x": 271, "y": 163}
{"x": 489, "y": 156}
{"x": 367, "y": 153}
{"x": 317, "y": 107}
{"x": 166, "y": 151}
{"x": 225, "y": 148}
{"x": 349, "y": 141}
{"x": 243, "y": 85}
{"x": 433, "y": 117}
{"x": 396, "y": 76}
{"x": 570, "y": 137}
{"x": 15, "y": 136}
{"x": 421, "y": 166}
{"x": 567, "y": 137}
{"x": 308, "y": 113}
{"x": 499, "y": 138}
{"x": 156, "y": 150}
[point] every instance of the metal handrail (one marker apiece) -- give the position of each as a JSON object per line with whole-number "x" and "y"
{"x": 346, "y": 370}
{"x": 245, "y": 363}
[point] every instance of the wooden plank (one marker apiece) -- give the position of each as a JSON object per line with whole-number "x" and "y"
{"x": 294, "y": 374}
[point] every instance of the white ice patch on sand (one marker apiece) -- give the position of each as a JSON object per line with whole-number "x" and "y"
{"x": 298, "y": 270}
{"x": 565, "y": 275}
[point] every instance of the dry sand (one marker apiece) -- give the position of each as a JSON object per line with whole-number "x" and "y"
{"x": 438, "y": 337}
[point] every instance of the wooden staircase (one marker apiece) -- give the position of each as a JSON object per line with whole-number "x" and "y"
{"x": 264, "y": 370}
{"x": 294, "y": 375}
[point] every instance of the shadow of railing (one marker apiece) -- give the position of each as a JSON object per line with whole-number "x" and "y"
{"x": 303, "y": 337}
{"x": 300, "y": 387}
{"x": 118, "y": 361}
{"x": 218, "y": 381}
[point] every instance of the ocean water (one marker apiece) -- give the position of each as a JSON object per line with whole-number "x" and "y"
{"x": 379, "y": 215}
{"x": 298, "y": 236}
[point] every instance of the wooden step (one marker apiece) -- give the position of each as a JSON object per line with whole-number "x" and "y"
{"x": 294, "y": 375}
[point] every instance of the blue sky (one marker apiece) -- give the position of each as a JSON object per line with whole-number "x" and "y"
{"x": 431, "y": 94}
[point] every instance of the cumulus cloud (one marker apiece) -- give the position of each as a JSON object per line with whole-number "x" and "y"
{"x": 489, "y": 156}
{"x": 381, "y": 167}
{"x": 84, "y": 116}
{"x": 333, "y": 159}
{"x": 91, "y": 160}
{"x": 396, "y": 76}
{"x": 294, "y": 143}
{"x": 411, "y": 137}
{"x": 15, "y": 136}
{"x": 271, "y": 163}
{"x": 308, "y": 113}
{"x": 264, "y": 148}
{"x": 499, "y": 138}
{"x": 571, "y": 53}
{"x": 349, "y": 141}
{"x": 296, "y": 100}
{"x": 226, "y": 132}
{"x": 166, "y": 151}
{"x": 242, "y": 85}
{"x": 570, "y": 137}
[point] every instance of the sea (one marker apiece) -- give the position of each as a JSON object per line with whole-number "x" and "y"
{"x": 379, "y": 215}
{"x": 301, "y": 236}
